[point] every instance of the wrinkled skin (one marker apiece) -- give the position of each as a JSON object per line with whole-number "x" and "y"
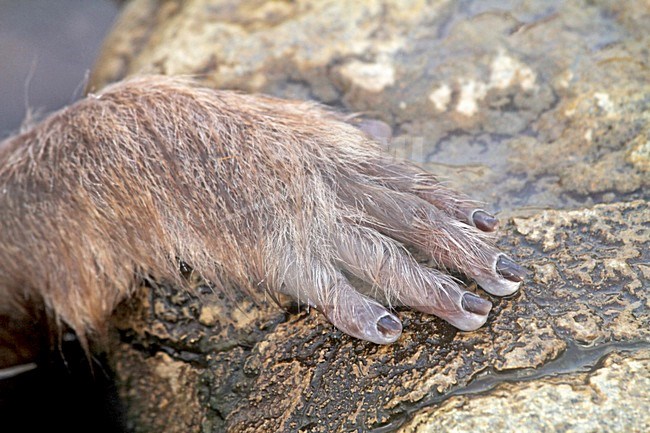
{"x": 267, "y": 195}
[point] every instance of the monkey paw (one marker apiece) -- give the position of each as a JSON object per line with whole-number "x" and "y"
{"x": 250, "y": 191}
{"x": 356, "y": 260}
{"x": 343, "y": 219}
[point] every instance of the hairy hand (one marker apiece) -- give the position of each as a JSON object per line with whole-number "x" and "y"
{"x": 252, "y": 192}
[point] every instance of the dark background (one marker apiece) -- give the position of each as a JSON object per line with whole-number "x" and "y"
{"x": 46, "y": 49}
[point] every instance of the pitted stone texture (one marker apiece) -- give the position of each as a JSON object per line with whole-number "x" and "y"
{"x": 615, "y": 397}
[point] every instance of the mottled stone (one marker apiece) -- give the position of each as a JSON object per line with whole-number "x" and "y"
{"x": 170, "y": 387}
{"x": 542, "y": 103}
{"x": 613, "y": 397}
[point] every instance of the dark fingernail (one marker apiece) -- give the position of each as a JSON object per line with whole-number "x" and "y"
{"x": 475, "y": 304}
{"x": 484, "y": 221}
{"x": 389, "y": 326}
{"x": 509, "y": 270}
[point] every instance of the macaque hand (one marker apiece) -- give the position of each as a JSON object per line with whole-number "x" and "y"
{"x": 254, "y": 192}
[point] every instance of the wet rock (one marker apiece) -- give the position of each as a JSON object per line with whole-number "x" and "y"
{"x": 585, "y": 402}
{"x": 527, "y": 105}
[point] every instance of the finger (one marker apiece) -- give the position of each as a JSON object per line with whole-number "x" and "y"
{"x": 408, "y": 178}
{"x": 451, "y": 243}
{"x": 396, "y": 277}
{"x": 360, "y": 316}
{"x": 462, "y": 248}
{"x": 322, "y": 287}
{"x": 506, "y": 277}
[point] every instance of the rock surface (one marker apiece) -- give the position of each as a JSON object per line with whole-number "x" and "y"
{"x": 595, "y": 399}
{"x": 541, "y": 108}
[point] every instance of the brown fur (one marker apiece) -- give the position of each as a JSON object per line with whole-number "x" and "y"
{"x": 251, "y": 191}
